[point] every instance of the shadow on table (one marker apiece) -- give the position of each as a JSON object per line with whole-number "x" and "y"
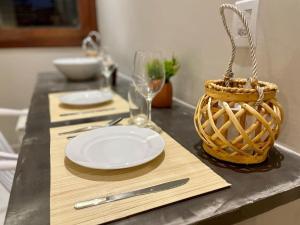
{"x": 272, "y": 162}
{"x": 90, "y": 106}
{"x": 113, "y": 175}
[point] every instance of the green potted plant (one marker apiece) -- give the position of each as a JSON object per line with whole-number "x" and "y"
{"x": 164, "y": 98}
{"x": 155, "y": 69}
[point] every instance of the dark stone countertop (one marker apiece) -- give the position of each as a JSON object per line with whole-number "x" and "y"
{"x": 254, "y": 190}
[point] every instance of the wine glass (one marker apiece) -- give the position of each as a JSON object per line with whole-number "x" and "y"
{"x": 107, "y": 67}
{"x": 149, "y": 78}
{"x": 89, "y": 47}
{"x": 91, "y": 44}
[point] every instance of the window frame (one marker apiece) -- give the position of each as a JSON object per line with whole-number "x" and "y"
{"x": 53, "y": 37}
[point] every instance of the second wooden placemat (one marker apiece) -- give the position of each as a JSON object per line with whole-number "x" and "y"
{"x": 118, "y": 105}
{"x": 71, "y": 183}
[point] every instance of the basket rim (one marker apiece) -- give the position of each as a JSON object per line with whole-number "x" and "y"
{"x": 215, "y": 84}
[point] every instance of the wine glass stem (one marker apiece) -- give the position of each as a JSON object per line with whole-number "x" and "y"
{"x": 106, "y": 83}
{"x": 149, "y": 102}
{"x": 106, "y": 80}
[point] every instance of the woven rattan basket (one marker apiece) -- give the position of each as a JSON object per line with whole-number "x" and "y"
{"x": 238, "y": 119}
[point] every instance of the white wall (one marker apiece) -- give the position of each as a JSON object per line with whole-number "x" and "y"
{"x": 18, "y": 71}
{"x": 193, "y": 30}
{"x": 279, "y": 54}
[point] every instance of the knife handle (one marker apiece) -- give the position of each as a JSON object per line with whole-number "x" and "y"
{"x": 89, "y": 203}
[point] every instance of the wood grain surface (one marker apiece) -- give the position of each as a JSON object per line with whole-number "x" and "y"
{"x": 116, "y": 106}
{"x": 71, "y": 183}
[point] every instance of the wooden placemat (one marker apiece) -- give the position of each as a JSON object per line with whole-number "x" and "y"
{"x": 71, "y": 183}
{"x": 116, "y": 106}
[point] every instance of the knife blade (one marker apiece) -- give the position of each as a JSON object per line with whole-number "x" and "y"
{"x": 144, "y": 191}
{"x": 84, "y": 112}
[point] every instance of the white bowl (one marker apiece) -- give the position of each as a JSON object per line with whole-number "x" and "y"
{"x": 83, "y": 68}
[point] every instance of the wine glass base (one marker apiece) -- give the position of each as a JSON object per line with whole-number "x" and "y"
{"x": 149, "y": 125}
{"x": 106, "y": 89}
{"x": 152, "y": 126}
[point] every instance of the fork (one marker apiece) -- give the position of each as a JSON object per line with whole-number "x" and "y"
{"x": 110, "y": 123}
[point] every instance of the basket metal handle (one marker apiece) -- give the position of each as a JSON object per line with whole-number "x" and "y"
{"x": 229, "y": 74}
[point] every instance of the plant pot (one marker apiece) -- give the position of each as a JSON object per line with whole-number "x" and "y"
{"x": 164, "y": 98}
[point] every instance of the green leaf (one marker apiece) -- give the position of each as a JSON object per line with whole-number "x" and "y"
{"x": 171, "y": 67}
{"x": 155, "y": 69}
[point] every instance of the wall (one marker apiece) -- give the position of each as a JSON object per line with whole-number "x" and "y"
{"x": 173, "y": 25}
{"x": 193, "y": 30}
{"x": 18, "y": 71}
{"x": 278, "y": 54}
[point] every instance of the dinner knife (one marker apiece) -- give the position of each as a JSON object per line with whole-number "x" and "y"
{"x": 84, "y": 112}
{"x": 144, "y": 191}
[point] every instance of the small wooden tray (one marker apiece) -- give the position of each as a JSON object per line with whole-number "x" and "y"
{"x": 71, "y": 183}
{"x": 116, "y": 106}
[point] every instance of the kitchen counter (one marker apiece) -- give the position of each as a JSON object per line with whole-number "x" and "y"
{"x": 255, "y": 189}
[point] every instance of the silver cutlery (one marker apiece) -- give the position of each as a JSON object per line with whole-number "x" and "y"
{"x": 110, "y": 123}
{"x": 70, "y": 137}
{"x": 144, "y": 191}
{"x": 84, "y": 112}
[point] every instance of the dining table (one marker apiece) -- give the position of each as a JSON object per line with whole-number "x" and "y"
{"x": 254, "y": 189}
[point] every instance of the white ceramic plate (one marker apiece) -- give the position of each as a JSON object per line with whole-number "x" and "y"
{"x": 81, "y": 98}
{"x": 115, "y": 147}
